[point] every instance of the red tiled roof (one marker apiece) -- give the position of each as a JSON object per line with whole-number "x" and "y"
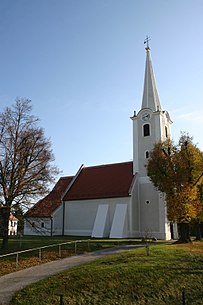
{"x": 104, "y": 181}
{"x": 12, "y": 217}
{"x": 46, "y": 206}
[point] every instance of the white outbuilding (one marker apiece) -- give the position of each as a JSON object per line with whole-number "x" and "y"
{"x": 12, "y": 225}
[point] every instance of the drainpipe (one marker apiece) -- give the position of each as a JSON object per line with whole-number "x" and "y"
{"x": 51, "y": 226}
{"x": 63, "y": 224}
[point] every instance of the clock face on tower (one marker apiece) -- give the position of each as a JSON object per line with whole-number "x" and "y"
{"x": 145, "y": 116}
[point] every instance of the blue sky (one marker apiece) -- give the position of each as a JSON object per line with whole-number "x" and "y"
{"x": 81, "y": 62}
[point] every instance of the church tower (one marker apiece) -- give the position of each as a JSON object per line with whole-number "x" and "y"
{"x": 150, "y": 125}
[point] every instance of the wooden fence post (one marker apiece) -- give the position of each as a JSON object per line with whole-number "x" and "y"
{"x": 17, "y": 258}
{"x": 183, "y": 297}
{"x": 61, "y": 299}
{"x": 59, "y": 250}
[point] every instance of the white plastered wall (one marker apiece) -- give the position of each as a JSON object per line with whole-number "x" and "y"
{"x": 37, "y": 226}
{"x": 149, "y": 211}
{"x": 80, "y": 214}
{"x": 57, "y": 221}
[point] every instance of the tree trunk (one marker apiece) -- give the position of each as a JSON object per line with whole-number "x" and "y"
{"x": 4, "y": 215}
{"x": 4, "y": 244}
{"x": 184, "y": 233}
{"x": 198, "y": 231}
{"x": 201, "y": 228}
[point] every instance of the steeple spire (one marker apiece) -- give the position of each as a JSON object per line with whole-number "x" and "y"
{"x": 150, "y": 94}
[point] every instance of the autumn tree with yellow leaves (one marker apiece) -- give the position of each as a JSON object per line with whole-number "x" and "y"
{"x": 177, "y": 171}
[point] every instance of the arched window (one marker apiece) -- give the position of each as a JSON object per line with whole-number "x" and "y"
{"x": 146, "y": 130}
{"x": 166, "y": 132}
{"x": 146, "y": 154}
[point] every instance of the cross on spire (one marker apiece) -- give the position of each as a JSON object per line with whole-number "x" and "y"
{"x": 147, "y": 42}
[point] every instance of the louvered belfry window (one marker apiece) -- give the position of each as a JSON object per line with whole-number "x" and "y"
{"x": 146, "y": 130}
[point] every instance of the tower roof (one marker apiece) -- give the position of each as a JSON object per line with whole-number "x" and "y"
{"x": 150, "y": 94}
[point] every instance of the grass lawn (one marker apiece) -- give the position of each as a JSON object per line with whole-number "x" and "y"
{"x": 125, "y": 279}
{"x": 28, "y": 259}
{"x": 28, "y": 242}
{"x": 35, "y": 257}
{"x": 17, "y": 243}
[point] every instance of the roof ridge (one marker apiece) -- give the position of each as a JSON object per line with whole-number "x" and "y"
{"x": 63, "y": 177}
{"x": 108, "y": 164}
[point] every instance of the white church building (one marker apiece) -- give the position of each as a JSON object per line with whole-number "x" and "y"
{"x": 112, "y": 200}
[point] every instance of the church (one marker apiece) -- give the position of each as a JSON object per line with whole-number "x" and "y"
{"x": 112, "y": 200}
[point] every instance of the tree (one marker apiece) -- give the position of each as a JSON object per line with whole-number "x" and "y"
{"x": 177, "y": 171}
{"x": 26, "y": 167}
{"x": 18, "y": 213}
